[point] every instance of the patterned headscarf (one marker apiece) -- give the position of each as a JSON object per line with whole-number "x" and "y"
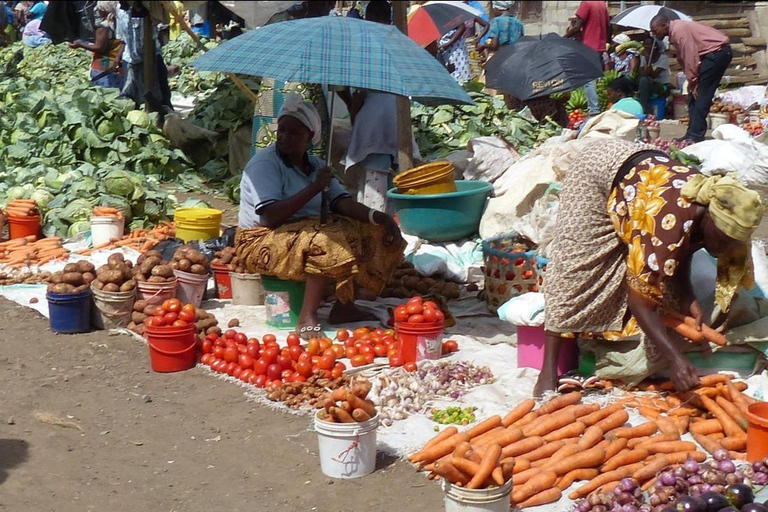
{"x": 503, "y": 6}
{"x": 295, "y": 106}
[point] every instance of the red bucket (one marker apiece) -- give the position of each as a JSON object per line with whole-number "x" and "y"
{"x": 19, "y": 227}
{"x": 170, "y": 340}
{"x": 222, "y": 276}
{"x": 164, "y": 361}
{"x": 420, "y": 341}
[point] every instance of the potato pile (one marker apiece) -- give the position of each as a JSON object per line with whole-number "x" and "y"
{"x": 723, "y": 108}
{"x": 406, "y": 282}
{"x": 205, "y": 322}
{"x": 75, "y": 278}
{"x": 151, "y": 268}
{"x": 228, "y": 257}
{"x": 26, "y": 278}
{"x": 187, "y": 259}
{"x": 115, "y": 276}
{"x": 310, "y": 393}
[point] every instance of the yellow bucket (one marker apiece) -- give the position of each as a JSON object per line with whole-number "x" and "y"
{"x": 197, "y": 223}
{"x": 432, "y": 178}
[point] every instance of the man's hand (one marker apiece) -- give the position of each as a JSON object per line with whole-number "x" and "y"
{"x": 697, "y": 313}
{"x": 695, "y": 91}
{"x": 323, "y": 179}
{"x": 74, "y": 44}
{"x": 683, "y": 373}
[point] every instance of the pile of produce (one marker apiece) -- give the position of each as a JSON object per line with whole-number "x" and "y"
{"x": 406, "y": 282}
{"x": 418, "y": 311}
{"x": 140, "y": 239}
{"x": 21, "y": 253}
{"x": 564, "y": 441}
{"x": 348, "y": 405}
{"x": 578, "y": 100}
{"x": 754, "y": 128}
{"x": 227, "y": 257}
{"x": 172, "y": 313}
{"x": 399, "y": 394}
{"x": 181, "y": 52}
{"x": 442, "y": 130}
{"x": 312, "y": 393}
{"x": 74, "y": 278}
{"x": 189, "y": 259}
{"x": 115, "y": 276}
{"x": 454, "y": 415}
{"x": 8, "y": 279}
{"x": 730, "y": 109}
{"x": 151, "y": 268}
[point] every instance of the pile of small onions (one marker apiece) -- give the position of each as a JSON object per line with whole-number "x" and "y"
{"x": 398, "y": 394}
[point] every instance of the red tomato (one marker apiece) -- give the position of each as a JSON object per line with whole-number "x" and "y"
{"x": 450, "y": 346}
{"x": 231, "y": 354}
{"x": 360, "y": 332}
{"x": 430, "y": 315}
{"x": 206, "y": 359}
{"x": 336, "y": 373}
{"x": 246, "y": 375}
{"x": 416, "y": 319}
{"x": 380, "y": 350}
{"x": 329, "y": 352}
{"x": 230, "y": 369}
{"x": 299, "y": 378}
{"x": 165, "y": 306}
{"x": 358, "y": 360}
{"x": 277, "y": 383}
{"x": 401, "y": 314}
{"x": 154, "y": 321}
{"x": 252, "y": 341}
{"x": 387, "y": 339}
{"x": 393, "y": 352}
{"x": 218, "y": 352}
{"x": 174, "y": 306}
{"x": 338, "y": 350}
{"x": 313, "y": 347}
{"x": 253, "y": 351}
{"x": 207, "y": 347}
{"x": 325, "y": 344}
{"x": 327, "y": 362}
{"x": 287, "y": 375}
{"x": 220, "y": 342}
{"x": 293, "y": 340}
{"x": 350, "y": 352}
{"x": 304, "y": 368}
{"x": 170, "y": 318}
{"x": 260, "y": 366}
{"x": 410, "y": 367}
{"x": 430, "y": 304}
{"x": 212, "y": 336}
{"x": 315, "y": 360}
{"x": 274, "y": 371}
{"x": 285, "y": 352}
{"x": 440, "y": 316}
{"x": 215, "y": 364}
{"x": 366, "y": 349}
{"x": 415, "y": 308}
{"x": 396, "y": 360}
{"x": 342, "y": 366}
{"x": 230, "y": 334}
{"x": 284, "y": 362}
{"x": 342, "y": 335}
{"x": 269, "y": 338}
{"x": 237, "y": 372}
{"x": 260, "y": 381}
{"x": 180, "y": 323}
{"x": 242, "y": 349}
{"x": 271, "y": 355}
{"x": 369, "y": 358}
{"x": 241, "y": 338}
{"x": 295, "y": 351}
{"x": 187, "y": 316}
{"x": 245, "y": 361}
{"x": 415, "y": 300}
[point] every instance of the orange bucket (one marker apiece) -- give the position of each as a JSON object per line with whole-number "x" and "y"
{"x": 222, "y": 276}
{"x": 419, "y": 341}
{"x": 19, "y": 227}
{"x": 757, "y": 431}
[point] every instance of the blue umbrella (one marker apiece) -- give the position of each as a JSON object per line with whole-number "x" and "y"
{"x": 341, "y": 52}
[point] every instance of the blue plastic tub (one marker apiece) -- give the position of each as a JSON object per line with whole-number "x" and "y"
{"x": 659, "y": 107}
{"x": 71, "y": 313}
{"x": 442, "y": 217}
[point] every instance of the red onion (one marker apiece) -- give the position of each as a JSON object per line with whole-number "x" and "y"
{"x": 721, "y": 454}
{"x": 726, "y": 466}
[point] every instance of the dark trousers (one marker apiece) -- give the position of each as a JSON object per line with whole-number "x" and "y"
{"x": 711, "y": 70}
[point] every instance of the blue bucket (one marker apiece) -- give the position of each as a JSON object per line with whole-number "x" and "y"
{"x": 70, "y": 313}
{"x": 659, "y": 107}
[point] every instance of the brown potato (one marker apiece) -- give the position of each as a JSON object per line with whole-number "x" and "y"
{"x": 233, "y": 323}
{"x": 196, "y": 257}
{"x": 139, "y": 277}
{"x": 184, "y": 265}
{"x": 85, "y": 266}
{"x": 81, "y": 288}
{"x": 115, "y": 260}
{"x": 71, "y": 267}
{"x": 156, "y": 279}
{"x": 128, "y": 286}
{"x": 97, "y": 285}
{"x": 198, "y": 269}
{"x": 175, "y": 265}
{"x": 88, "y": 277}
{"x": 148, "y": 264}
{"x": 73, "y": 278}
{"x": 110, "y": 277}
{"x": 162, "y": 271}
{"x": 111, "y": 287}
{"x": 61, "y": 288}
{"x": 57, "y": 278}
{"x": 170, "y": 279}
{"x": 140, "y": 305}
{"x": 150, "y": 310}
{"x": 214, "y": 329}
{"x": 138, "y": 317}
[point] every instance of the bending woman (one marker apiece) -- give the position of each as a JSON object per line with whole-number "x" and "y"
{"x": 281, "y": 235}
{"x": 630, "y": 220}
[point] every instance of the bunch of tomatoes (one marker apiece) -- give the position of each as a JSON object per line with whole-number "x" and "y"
{"x": 419, "y": 311}
{"x": 172, "y": 314}
{"x": 575, "y": 118}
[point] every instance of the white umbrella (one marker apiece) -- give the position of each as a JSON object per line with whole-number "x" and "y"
{"x": 640, "y": 16}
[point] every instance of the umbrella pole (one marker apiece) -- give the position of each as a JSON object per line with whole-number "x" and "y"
{"x": 404, "y": 133}
{"x": 329, "y": 158}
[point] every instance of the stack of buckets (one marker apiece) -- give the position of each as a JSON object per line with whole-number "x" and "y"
{"x": 432, "y": 178}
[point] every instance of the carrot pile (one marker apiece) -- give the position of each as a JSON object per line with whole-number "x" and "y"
{"x": 106, "y": 211}
{"x": 547, "y": 449}
{"x": 22, "y": 208}
{"x": 686, "y": 327}
{"x": 142, "y": 240}
{"x": 22, "y": 252}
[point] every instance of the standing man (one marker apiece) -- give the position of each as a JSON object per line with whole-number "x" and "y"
{"x": 705, "y": 54}
{"x": 592, "y": 24}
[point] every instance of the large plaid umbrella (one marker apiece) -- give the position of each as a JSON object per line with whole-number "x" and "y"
{"x": 341, "y": 52}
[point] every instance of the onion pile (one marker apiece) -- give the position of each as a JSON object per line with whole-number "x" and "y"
{"x": 399, "y": 394}
{"x": 676, "y": 486}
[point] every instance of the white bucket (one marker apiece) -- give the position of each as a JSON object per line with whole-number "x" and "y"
{"x": 191, "y": 287}
{"x": 104, "y": 229}
{"x": 460, "y": 499}
{"x": 718, "y": 119}
{"x": 156, "y": 293}
{"x": 347, "y": 450}
{"x": 247, "y": 289}
{"x": 113, "y": 309}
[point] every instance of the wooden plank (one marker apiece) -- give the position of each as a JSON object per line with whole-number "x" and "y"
{"x": 753, "y": 41}
{"x": 737, "y": 32}
{"x": 742, "y": 49}
{"x": 724, "y": 24}
{"x": 744, "y": 61}
{"x": 721, "y": 16}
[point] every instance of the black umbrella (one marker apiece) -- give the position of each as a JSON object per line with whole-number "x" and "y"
{"x": 534, "y": 67}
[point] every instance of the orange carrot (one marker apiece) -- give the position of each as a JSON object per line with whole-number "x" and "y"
{"x": 730, "y": 427}
{"x": 591, "y": 458}
{"x": 466, "y": 466}
{"x": 593, "y": 418}
{"x": 548, "y": 424}
{"x": 713, "y": 379}
{"x": 615, "y": 420}
{"x": 577, "y": 474}
{"x": 681, "y": 457}
{"x": 341, "y": 415}
{"x": 592, "y": 435}
{"x": 614, "y": 447}
{"x": 667, "y": 426}
{"x": 451, "y": 473}
{"x": 604, "y": 479}
{"x": 523, "y": 446}
{"x": 537, "y": 484}
{"x": 732, "y": 411}
{"x": 545, "y": 451}
{"x": 461, "y": 451}
{"x": 649, "y": 471}
{"x": 440, "y": 449}
{"x": 527, "y": 419}
{"x": 738, "y": 398}
{"x": 706, "y": 442}
{"x": 668, "y": 446}
{"x": 559, "y": 403}
{"x": 736, "y": 443}
{"x": 683, "y": 329}
{"x": 484, "y": 426}
{"x": 542, "y": 498}
{"x": 567, "y": 432}
{"x": 490, "y": 461}
{"x": 507, "y": 470}
{"x": 625, "y": 457}
{"x": 487, "y": 436}
{"x": 506, "y": 437}
{"x": 642, "y": 430}
{"x": 518, "y": 412}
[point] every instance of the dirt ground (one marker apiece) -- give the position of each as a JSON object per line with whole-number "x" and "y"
{"x": 85, "y": 426}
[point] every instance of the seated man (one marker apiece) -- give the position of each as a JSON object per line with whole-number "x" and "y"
{"x": 654, "y": 73}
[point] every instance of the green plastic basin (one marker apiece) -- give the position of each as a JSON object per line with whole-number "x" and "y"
{"x": 442, "y": 217}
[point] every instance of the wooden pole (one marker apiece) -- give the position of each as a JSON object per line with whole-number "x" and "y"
{"x": 404, "y": 133}
{"x": 149, "y": 56}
